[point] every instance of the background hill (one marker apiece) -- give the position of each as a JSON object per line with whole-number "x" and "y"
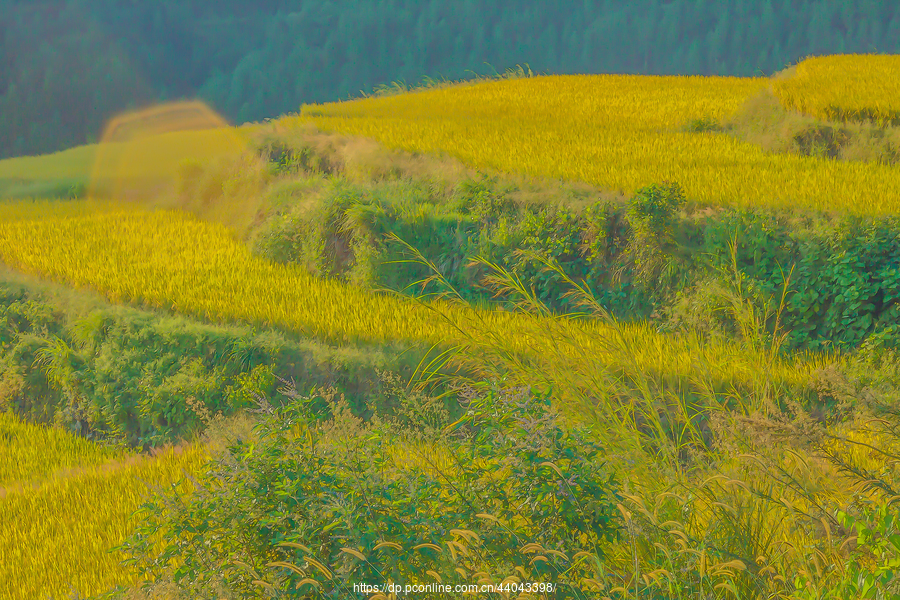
{"x": 67, "y": 66}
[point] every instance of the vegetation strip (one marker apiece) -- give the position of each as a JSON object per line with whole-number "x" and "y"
{"x": 171, "y": 261}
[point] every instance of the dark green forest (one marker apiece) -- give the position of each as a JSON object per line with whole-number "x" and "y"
{"x": 66, "y": 66}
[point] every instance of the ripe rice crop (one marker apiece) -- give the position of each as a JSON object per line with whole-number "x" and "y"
{"x": 17, "y": 210}
{"x": 844, "y": 88}
{"x": 169, "y": 260}
{"x": 55, "y": 535}
{"x": 620, "y": 132}
{"x": 32, "y": 452}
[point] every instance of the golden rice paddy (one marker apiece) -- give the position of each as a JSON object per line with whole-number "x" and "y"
{"x": 169, "y": 260}
{"x": 66, "y": 504}
{"x": 620, "y": 132}
{"x": 844, "y": 88}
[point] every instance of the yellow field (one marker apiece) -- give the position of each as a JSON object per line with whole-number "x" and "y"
{"x": 620, "y": 132}
{"x": 844, "y": 87}
{"x": 17, "y": 210}
{"x": 65, "y": 502}
{"x": 167, "y": 259}
{"x": 70, "y": 504}
{"x": 32, "y": 453}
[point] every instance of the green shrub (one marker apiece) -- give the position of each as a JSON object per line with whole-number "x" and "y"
{"x": 284, "y": 158}
{"x": 844, "y": 279}
{"x": 702, "y": 125}
{"x": 483, "y": 199}
{"x": 320, "y": 500}
{"x": 870, "y": 571}
{"x": 654, "y": 207}
{"x": 555, "y": 234}
{"x": 645, "y": 259}
{"x": 134, "y": 375}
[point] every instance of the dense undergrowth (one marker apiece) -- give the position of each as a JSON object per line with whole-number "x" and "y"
{"x": 320, "y": 500}
{"x": 830, "y": 281}
{"x": 758, "y": 496}
{"x": 139, "y": 377}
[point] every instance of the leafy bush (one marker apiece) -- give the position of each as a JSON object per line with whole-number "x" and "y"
{"x": 482, "y": 199}
{"x": 319, "y": 501}
{"x": 651, "y": 258}
{"x": 284, "y": 158}
{"x": 134, "y": 374}
{"x": 870, "y": 571}
{"x": 844, "y": 282}
{"x": 653, "y": 208}
{"x": 645, "y": 258}
{"x": 702, "y": 125}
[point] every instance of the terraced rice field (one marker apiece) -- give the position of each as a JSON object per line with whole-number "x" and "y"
{"x": 620, "y": 132}
{"x": 844, "y": 88}
{"x": 167, "y": 259}
{"x": 64, "y": 502}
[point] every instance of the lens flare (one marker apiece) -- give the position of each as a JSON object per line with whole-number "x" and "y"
{"x": 140, "y": 152}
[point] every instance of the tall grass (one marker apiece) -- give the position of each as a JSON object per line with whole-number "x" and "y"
{"x": 737, "y": 494}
